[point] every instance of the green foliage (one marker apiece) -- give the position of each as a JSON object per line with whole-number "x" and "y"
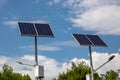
{"x": 77, "y": 72}
{"x": 97, "y": 77}
{"x": 26, "y": 77}
{"x": 111, "y": 75}
{"x": 8, "y": 74}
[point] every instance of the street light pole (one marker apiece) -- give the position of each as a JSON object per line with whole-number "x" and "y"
{"x": 25, "y": 64}
{"x": 38, "y": 73}
{"x": 39, "y": 70}
{"x": 111, "y": 58}
{"x": 91, "y": 64}
{"x": 36, "y": 58}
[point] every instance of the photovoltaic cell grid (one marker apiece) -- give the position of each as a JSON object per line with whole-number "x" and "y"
{"x": 82, "y": 39}
{"x": 35, "y": 29}
{"x": 89, "y": 40}
{"x": 96, "y": 40}
{"x": 27, "y": 29}
{"x": 43, "y": 29}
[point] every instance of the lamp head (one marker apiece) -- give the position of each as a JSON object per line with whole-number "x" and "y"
{"x": 111, "y": 57}
{"x": 19, "y": 62}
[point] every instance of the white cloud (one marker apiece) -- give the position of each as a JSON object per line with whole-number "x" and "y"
{"x": 100, "y": 58}
{"x": 11, "y": 24}
{"x": 96, "y": 20}
{"x": 55, "y": 46}
{"x": 101, "y": 16}
{"x": 41, "y": 48}
{"x": 3, "y": 59}
{"x": 95, "y": 3}
{"x": 48, "y": 48}
{"x": 14, "y": 23}
{"x": 52, "y": 67}
{"x": 119, "y": 50}
{"x": 65, "y": 43}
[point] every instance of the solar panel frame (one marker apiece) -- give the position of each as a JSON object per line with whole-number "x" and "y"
{"x": 43, "y": 30}
{"x": 26, "y": 29}
{"x": 82, "y": 39}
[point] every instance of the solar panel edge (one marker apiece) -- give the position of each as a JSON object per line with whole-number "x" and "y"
{"x": 75, "y": 38}
{"x": 53, "y": 36}
{"x": 28, "y": 35}
{"x": 19, "y": 29}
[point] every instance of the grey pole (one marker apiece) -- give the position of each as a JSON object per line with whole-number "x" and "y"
{"x": 91, "y": 64}
{"x": 110, "y": 58}
{"x": 36, "y": 58}
{"x": 101, "y": 66}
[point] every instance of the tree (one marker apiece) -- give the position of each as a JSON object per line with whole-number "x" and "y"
{"x": 77, "y": 72}
{"x": 8, "y": 74}
{"x": 111, "y": 75}
{"x": 97, "y": 77}
{"x": 26, "y": 77}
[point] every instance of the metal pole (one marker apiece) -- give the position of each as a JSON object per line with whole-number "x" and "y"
{"x": 101, "y": 66}
{"x": 91, "y": 64}
{"x": 36, "y": 58}
{"x": 111, "y": 58}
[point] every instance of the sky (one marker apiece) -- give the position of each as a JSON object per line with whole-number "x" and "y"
{"x": 100, "y": 17}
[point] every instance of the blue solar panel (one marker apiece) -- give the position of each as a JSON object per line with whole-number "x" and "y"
{"x": 35, "y": 29}
{"x": 44, "y": 30}
{"x": 96, "y": 40}
{"x": 82, "y": 39}
{"x": 89, "y": 40}
{"x": 27, "y": 29}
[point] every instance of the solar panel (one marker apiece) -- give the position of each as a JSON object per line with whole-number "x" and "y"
{"x": 89, "y": 40}
{"x": 96, "y": 40}
{"x": 27, "y": 29}
{"x": 35, "y": 29}
{"x": 82, "y": 39}
{"x": 44, "y": 30}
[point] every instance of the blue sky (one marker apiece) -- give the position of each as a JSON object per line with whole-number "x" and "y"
{"x": 99, "y": 17}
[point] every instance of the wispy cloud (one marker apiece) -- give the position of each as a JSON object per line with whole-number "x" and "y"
{"x": 69, "y": 43}
{"x": 89, "y": 15}
{"x": 52, "y": 67}
{"x": 101, "y": 23}
{"x": 14, "y": 23}
{"x": 11, "y": 24}
{"x": 53, "y": 46}
{"x": 119, "y": 50}
{"x": 54, "y": 2}
{"x": 41, "y": 48}
{"x": 36, "y": 1}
